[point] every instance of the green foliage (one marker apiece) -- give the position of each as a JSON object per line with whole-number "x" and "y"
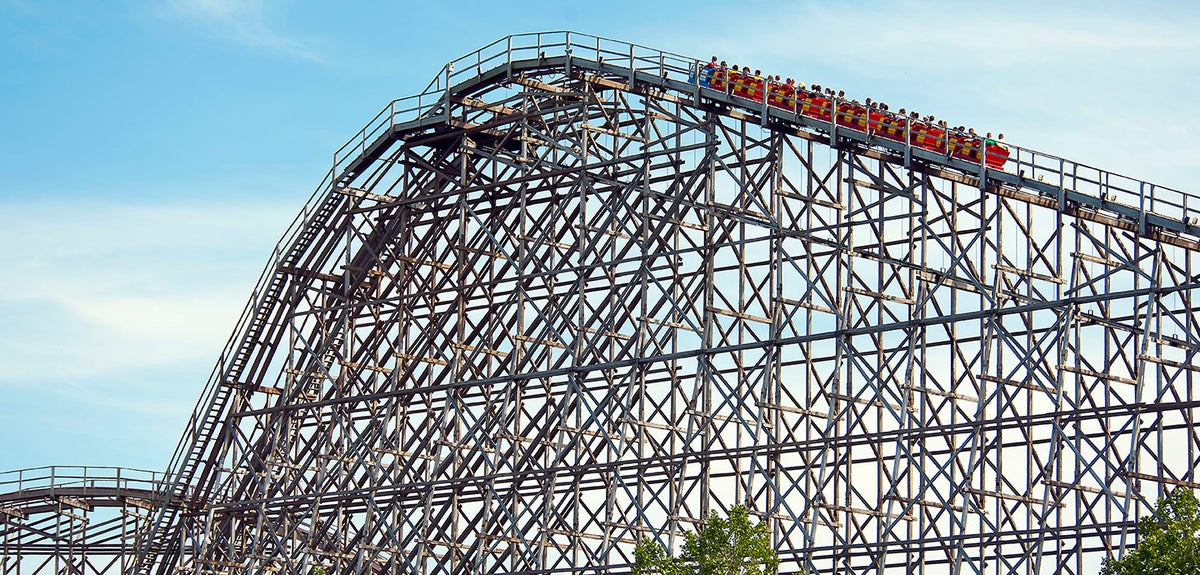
{"x": 723, "y": 547}
{"x": 1168, "y": 540}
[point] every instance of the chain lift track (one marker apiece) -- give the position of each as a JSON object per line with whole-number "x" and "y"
{"x": 566, "y": 298}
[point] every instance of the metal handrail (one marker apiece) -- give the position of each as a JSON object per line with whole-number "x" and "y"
{"x": 56, "y": 476}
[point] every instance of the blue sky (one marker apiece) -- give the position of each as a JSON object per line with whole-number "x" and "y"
{"x": 153, "y": 152}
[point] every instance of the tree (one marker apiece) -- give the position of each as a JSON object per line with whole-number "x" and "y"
{"x": 1168, "y": 540}
{"x": 722, "y": 547}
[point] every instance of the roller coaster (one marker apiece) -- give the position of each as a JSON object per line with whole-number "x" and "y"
{"x": 569, "y": 297}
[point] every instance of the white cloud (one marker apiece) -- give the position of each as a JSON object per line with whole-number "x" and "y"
{"x": 944, "y": 36}
{"x": 243, "y": 21}
{"x": 95, "y": 290}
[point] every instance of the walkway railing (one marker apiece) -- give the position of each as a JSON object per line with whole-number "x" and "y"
{"x": 59, "y": 476}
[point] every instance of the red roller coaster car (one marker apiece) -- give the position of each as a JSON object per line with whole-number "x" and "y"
{"x": 871, "y": 121}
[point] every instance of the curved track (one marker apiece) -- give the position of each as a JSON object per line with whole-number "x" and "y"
{"x": 73, "y": 519}
{"x": 567, "y": 298}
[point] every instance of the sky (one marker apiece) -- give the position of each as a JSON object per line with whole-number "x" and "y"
{"x": 154, "y": 152}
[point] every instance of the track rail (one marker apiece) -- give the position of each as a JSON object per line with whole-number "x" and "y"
{"x": 73, "y": 515}
{"x": 36, "y": 483}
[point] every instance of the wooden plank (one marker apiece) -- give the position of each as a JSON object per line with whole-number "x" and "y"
{"x": 485, "y": 350}
{"x": 366, "y": 367}
{"x": 432, "y": 360}
{"x": 408, "y": 454}
{"x": 303, "y": 273}
{"x": 1098, "y": 260}
{"x": 652, "y": 425}
{"x": 1029, "y": 386}
{"x": 864, "y": 401}
{"x": 608, "y": 333}
{"x": 807, "y": 304}
{"x": 1029, "y": 274}
{"x": 614, "y": 233}
{"x": 550, "y": 243}
{"x": 796, "y": 410}
{"x": 545, "y": 342}
{"x": 14, "y": 513}
{"x": 252, "y": 387}
{"x": 593, "y": 433}
{"x": 1157, "y": 479}
{"x": 139, "y": 503}
{"x": 611, "y": 132}
{"x": 76, "y": 503}
{"x": 672, "y": 324}
{"x": 1011, "y": 497}
{"x": 934, "y": 277}
{"x": 479, "y": 104}
{"x": 1168, "y": 362}
{"x": 809, "y": 199}
{"x": 1083, "y": 488}
{"x": 937, "y": 504}
{"x": 859, "y": 511}
{"x": 476, "y": 129}
{"x": 938, "y": 392}
{"x": 878, "y": 295}
{"x": 430, "y": 263}
{"x": 468, "y": 249}
{"x": 544, "y": 87}
{"x": 874, "y": 186}
{"x": 739, "y": 315}
{"x": 1097, "y": 374}
{"x": 361, "y": 193}
{"x": 679, "y": 223}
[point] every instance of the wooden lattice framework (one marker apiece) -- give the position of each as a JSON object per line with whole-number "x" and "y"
{"x": 571, "y": 299}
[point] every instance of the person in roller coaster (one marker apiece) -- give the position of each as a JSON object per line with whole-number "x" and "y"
{"x": 870, "y": 116}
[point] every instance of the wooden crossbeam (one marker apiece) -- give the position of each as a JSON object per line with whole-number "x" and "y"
{"x": 1158, "y": 479}
{"x": 1029, "y": 274}
{"x": 545, "y": 342}
{"x": 1011, "y": 497}
{"x": 1014, "y": 383}
{"x": 877, "y": 295}
{"x": 1169, "y": 363}
{"x": 672, "y": 324}
{"x": 14, "y": 513}
{"x": 76, "y": 503}
{"x": 739, "y": 315}
{"x": 861, "y": 511}
{"x": 1099, "y": 260}
{"x": 1097, "y": 374}
{"x": 361, "y": 193}
{"x": 430, "y": 360}
{"x": 253, "y": 387}
{"x": 476, "y": 103}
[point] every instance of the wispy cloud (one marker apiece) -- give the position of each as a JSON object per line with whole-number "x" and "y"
{"x": 950, "y": 35}
{"x": 104, "y": 289}
{"x": 243, "y": 21}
